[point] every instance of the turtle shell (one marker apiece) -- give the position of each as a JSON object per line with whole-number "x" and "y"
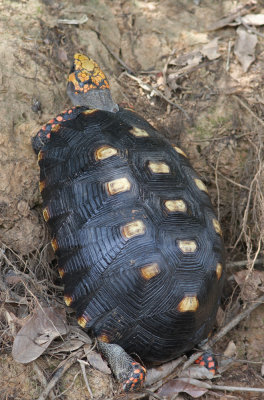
{"x": 139, "y": 247}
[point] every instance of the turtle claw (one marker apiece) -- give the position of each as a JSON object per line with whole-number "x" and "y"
{"x": 136, "y": 380}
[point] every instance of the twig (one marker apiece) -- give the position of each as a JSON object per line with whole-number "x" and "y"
{"x": 227, "y": 20}
{"x": 42, "y": 378}
{"x": 243, "y": 263}
{"x": 234, "y": 182}
{"x": 228, "y": 55}
{"x": 149, "y": 88}
{"x": 62, "y": 368}
{"x": 235, "y": 321}
{"x": 82, "y": 365}
{"x": 237, "y": 388}
{"x": 251, "y": 30}
{"x": 249, "y": 110}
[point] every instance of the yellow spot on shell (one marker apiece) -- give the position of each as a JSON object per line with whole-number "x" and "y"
{"x": 68, "y": 300}
{"x": 103, "y": 338}
{"x": 180, "y": 151}
{"x": 61, "y": 272}
{"x": 187, "y": 246}
{"x": 200, "y": 185}
{"x": 159, "y": 167}
{"x": 188, "y": 303}
{"x": 54, "y": 245}
{"x": 217, "y": 227}
{"x": 219, "y": 270}
{"x": 175, "y": 205}
{"x": 46, "y": 214}
{"x": 42, "y": 186}
{"x": 105, "y": 152}
{"x": 149, "y": 271}
{"x": 87, "y": 112}
{"x": 56, "y": 128}
{"x": 139, "y": 132}
{"x": 135, "y": 228}
{"x": 118, "y": 186}
{"x": 82, "y": 321}
{"x": 40, "y": 155}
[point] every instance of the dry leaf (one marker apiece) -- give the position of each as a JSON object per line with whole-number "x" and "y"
{"x": 262, "y": 370}
{"x": 96, "y": 361}
{"x": 197, "y": 372}
{"x": 67, "y": 346}
{"x": 158, "y": 373}
{"x": 253, "y": 19}
{"x": 35, "y": 336}
{"x": 251, "y": 286}
{"x": 231, "y": 350}
{"x": 181, "y": 385}
{"x": 210, "y": 50}
{"x": 245, "y": 48}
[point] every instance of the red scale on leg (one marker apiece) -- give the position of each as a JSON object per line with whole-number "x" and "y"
{"x": 208, "y": 361}
{"x": 137, "y": 378}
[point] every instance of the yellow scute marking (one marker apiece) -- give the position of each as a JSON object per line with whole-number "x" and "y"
{"x": 159, "y": 167}
{"x": 187, "y": 246}
{"x": 118, "y": 186}
{"x": 149, "y": 271}
{"x": 219, "y": 270}
{"x": 200, "y": 185}
{"x": 135, "y": 228}
{"x": 217, "y": 227}
{"x": 87, "y": 112}
{"x": 139, "y": 132}
{"x": 46, "y": 215}
{"x": 180, "y": 151}
{"x": 188, "y": 303}
{"x": 105, "y": 152}
{"x": 175, "y": 205}
{"x": 42, "y": 186}
{"x": 68, "y": 300}
{"x": 54, "y": 245}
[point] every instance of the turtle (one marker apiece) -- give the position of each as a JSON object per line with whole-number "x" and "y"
{"x": 139, "y": 248}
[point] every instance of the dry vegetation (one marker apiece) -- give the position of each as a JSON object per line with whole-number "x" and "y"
{"x": 179, "y": 64}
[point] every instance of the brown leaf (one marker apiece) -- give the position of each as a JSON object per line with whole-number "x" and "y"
{"x": 160, "y": 372}
{"x": 245, "y": 48}
{"x": 251, "y": 285}
{"x": 96, "y": 361}
{"x": 35, "y": 336}
{"x": 197, "y": 372}
{"x": 180, "y": 385}
{"x": 253, "y": 19}
{"x": 210, "y": 50}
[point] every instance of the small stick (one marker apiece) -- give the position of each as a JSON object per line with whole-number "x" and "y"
{"x": 228, "y": 55}
{"x": 243, "y": 263}
{"x": 149, "y": 88}
{"x": 42, "y": 378}
{"x": 233, "y": 323}
{"x": 237, "y": 388}
{"x": 249, "y": 110}
{"x": 82, "y": 365}
{"x": 62, "y": 368}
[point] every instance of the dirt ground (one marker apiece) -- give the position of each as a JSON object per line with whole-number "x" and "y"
{"x": 185, "y": 72}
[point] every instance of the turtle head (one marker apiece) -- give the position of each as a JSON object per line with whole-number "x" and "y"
{"x": 88, "y": 86}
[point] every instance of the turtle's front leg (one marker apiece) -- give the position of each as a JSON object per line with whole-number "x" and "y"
{"x": 127, "y": 371}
